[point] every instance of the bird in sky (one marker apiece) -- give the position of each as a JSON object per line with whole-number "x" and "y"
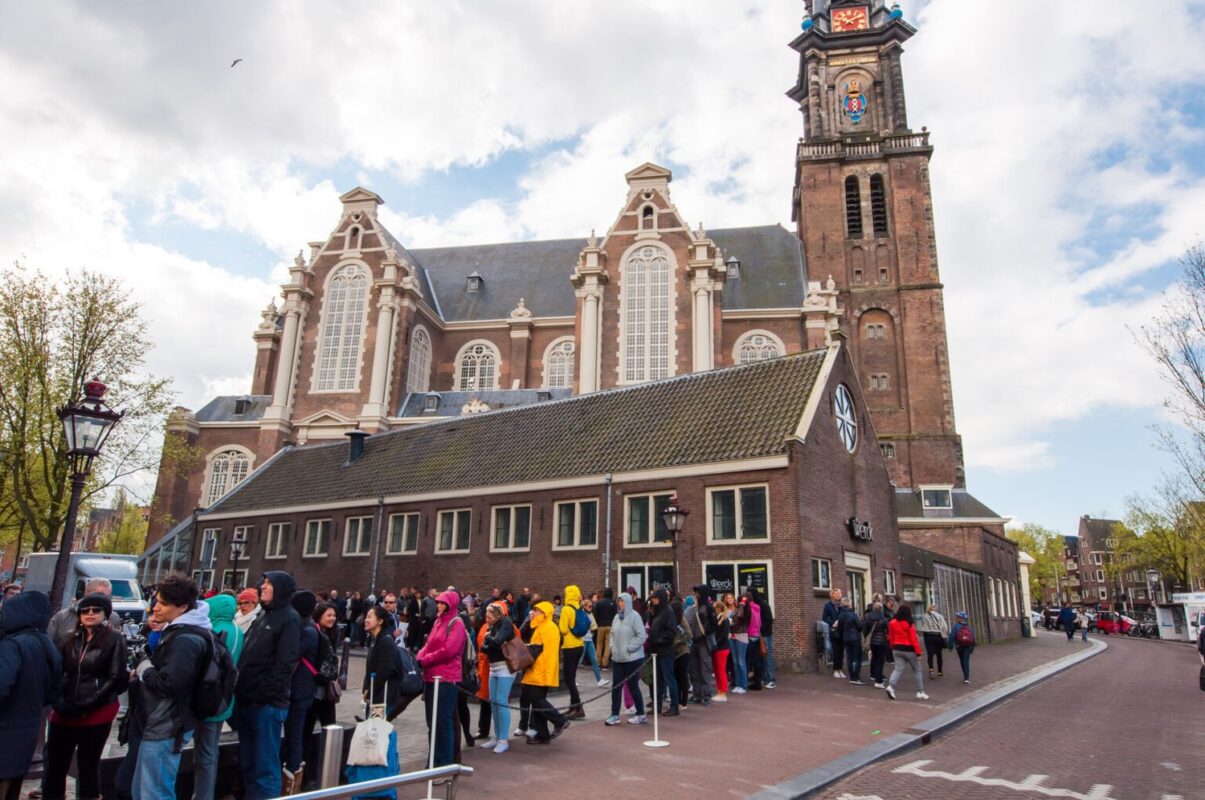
{"x": 235, "y": 62}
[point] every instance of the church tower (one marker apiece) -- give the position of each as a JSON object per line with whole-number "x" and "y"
{"x": 864, "y": 214}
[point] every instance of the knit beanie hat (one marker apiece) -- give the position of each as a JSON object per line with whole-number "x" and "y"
{"x": 304, "y": 603}
{"x": 248, "y": 596}
{"x": 94, "y": 600}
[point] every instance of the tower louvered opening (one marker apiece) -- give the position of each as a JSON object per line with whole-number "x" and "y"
{"x": 878, "y": 205}
{"x": 853, "y": 208}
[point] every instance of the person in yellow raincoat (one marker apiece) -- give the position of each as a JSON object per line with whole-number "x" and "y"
{"x": 544, "y": 641}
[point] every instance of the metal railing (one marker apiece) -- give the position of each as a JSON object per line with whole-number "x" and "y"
{"x": 451, "y": 772}
{"x": 890, "y": 143}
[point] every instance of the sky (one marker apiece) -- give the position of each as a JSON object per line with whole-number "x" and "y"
{"x": 1068, "y": 174}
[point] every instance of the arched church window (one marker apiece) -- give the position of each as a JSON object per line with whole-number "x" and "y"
{"x": 558, "y": 365}
{"x": 342, "y": 330}
{"x": 646, "y": 323}
{"x": 418, "y": 375}
{"x": 853, "y": 208}
{"x": 227, "y": 469}
{"x": 757, "y": 346}
{"x": 477, "y": 367}
{"x": 878, "y": 205}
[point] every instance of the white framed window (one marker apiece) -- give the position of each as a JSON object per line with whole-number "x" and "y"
{"x": 1098, "y": 558}
{"x": 244, "y": 534}
{"x": 822, "y": 574}
{"x": 991, "y": 596}
{"x": 277, "y": 540}
{"x": 643, "y": 524}
{"x": 477, "y": 366}
{"x": 418, "y": 373}
{"x": 455, "y": 531}
{"x": 1102, "y": 593}
{"x": 1100, "y": 575}
{"x": 576, "y": 525}
{"x": 209, "y": 548}
{"x": 738, "y": 514}
{"x": 757, "y": 346}
{"x": 558, "y": 364}
{"x": 226, "y": 469}
{"x": 403, "y": 534}
{"x": 317, "y": 538}
{"x": 204, "y": 578}
{"x": 357, "y": 536}
{"x": 888, "y": 450}
{"x": 646, "y": 323}
{"x": 879, "y": 381}
{"x": 876, "y": 330}
{"x": 512, "y": 529}
{"x": 936, "y": 497}
{"x": 344, "y": 311}
{"x": 888, "y": 581}
{"x": 234, "y": 580}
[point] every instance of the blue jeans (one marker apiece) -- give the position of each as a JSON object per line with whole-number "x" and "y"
{"x": 259, "y": 731}
{"x": 155, "y": 775}
{"x": 964, "y": 659}
{"x": 499, "y": 697}
{"x": 205, "y": 760}
{"x": 293, "y": 750}
{"x": 1084, "y": 632}
{"x": 593, "y": 658}
{"x": 666, "y": 682}
{"x": 445, "y": 708}
{"x": 621, "y": 672}
{"x": 768, "y": 661}
{"x": 739, "y": 649}
{"x": 853, "y": 657}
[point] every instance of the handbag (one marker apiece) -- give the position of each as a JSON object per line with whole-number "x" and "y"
{"x": 370, "y": 743}
{"x": 517, "y": 654}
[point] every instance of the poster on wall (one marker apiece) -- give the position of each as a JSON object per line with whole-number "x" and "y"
{"x": 661, "y": 577}
{"x": 720, "y": 579}
{"x": 756, "y": 576}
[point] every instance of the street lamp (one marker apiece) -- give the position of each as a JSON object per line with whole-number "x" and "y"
{"x": 87, "y": 424}
{"x": 238, "y": 544}
{"x": 1152, "y": 582}
{"x": 674, "y": 517}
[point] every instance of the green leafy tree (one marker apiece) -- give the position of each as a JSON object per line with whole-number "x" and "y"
{"x": 1164, "y": 531}
{"x": 129, "y": 534}
{"x": 1046, "y": 548}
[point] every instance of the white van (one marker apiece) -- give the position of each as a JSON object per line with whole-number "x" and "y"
{"x": 120, "y": 570}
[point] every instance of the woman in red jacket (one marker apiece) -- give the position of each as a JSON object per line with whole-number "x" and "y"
{"x": 901, "y": 637}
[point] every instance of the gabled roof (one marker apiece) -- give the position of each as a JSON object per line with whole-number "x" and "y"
{"x": 733, "y": 414}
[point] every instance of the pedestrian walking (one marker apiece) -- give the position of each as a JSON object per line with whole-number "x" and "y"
{"x": 1067, "y": 620}
{"x": 271, "y": 653}
{"x": 205, "y": 752}
{"x": 301, "y": 693}
{"x": 1082, "y": 620}
{"x": 604, "y": 615}
{"x": 832, "y": 610}
{"x": 498, "y": 631}
{"x": 544, "y": 640}
{"x": 572, "y": 648}
{"x": 901, "y": 635}
{"x": 627, "y": 654}
{"x": 30, "y": 668}
{"x": 934, "y": 631}
{"x": 874, "y": 628}
{"x": 962, "y": 640}
{"x": 850, "y": 628}
{"x": 441, "y": 657}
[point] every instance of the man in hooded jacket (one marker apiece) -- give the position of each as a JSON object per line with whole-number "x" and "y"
{"x": 662, "y": 629}
{"x": 271, "y": 652}
{"x": 30, "y": 668}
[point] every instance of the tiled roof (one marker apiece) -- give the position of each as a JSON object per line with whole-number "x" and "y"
{"x": 539, "y": 272}
{"x": 1097, "y": 530}
{"x": 721, "y": 415}
{"x": 221, "y": 409}
{"x": 908, "y": 504}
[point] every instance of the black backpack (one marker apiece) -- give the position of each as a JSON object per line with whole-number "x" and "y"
{"x": 410, "y": 674}
{"x": 215, "y": 687}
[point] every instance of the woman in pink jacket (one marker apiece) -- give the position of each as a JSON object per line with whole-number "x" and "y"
{"x": 442, "y": 658}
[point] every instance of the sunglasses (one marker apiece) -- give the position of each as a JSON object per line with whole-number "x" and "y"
{"x": 92, "y": 610}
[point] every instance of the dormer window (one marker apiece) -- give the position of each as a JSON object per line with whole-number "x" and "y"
{"x": 240, "y": 407}
{"x": 648, "y": 219}
{"x": 543, "y": 396}
{"x": 734, "y": 268}
{"x": 934, "y": 498}
{"x": 431, "y": 403}
{"x": 475, "y": 283}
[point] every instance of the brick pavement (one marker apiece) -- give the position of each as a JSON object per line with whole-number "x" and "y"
{"x": 728, "y": 750}
{"x": 1124, "y": 725}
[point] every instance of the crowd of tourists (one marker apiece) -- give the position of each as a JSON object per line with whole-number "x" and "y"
{"x": 271, "y": 661}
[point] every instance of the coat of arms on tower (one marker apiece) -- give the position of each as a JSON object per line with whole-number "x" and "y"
{"x": 854, "y": 102}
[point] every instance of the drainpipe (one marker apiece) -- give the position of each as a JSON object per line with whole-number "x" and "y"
{"x": 607, "y": 551}
{"x": 376, "y": 540}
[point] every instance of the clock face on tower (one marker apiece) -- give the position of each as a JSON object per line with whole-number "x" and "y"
{"x": 856, "y": 18}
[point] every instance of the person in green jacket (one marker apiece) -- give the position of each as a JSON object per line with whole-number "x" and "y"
{"x": 205, "y": 745}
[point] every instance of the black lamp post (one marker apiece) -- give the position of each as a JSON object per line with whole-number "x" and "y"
{"x": 87, "y": 424}
{"x": 674, "y": 517}
{"x": 237, "y": 549}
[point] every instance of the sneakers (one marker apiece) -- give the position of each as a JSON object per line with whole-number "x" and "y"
{"x": 890, "y": 692}
{"x": 519, "y": 732}
{"x": 612, "y": 720}
{"x": 720, "y": 698}
{"x": 638, "y": 719}
{"x": 858, "y": 683}
{"x": 922, "y": 696}
{"x": 880, "y": 685}
{"x": 502, "y": 747}
{"x": 557, "y": 731}
{"x": 737, "y": 690}
{"x": 489, "y": 744}
{"x": 628, "y": 711}
{"x": 838, "y": 674}
{"x": 604, "y": 682}
{"x": 771, "y": 684}
{"x": 967, "y": 682}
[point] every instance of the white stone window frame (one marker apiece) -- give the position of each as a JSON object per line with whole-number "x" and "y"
{"x": 672, "y": 307}
{"x": 212, "y": 459}
{"x": 553, "y": 349}
{"x": 209, "y": 539}
{"x": 511, "y": 528}
{"x": 320, "y": 343}
{"x": 276, "y": 541}
{"x": 747, "y": 336}
{"x": 305, "y": 551}
{"x": 455, "y": 514}
{"x": 459, "y": 366}
{"x": 418, "y": 371}
{"x": 889, "y": 582}
{"x": 654, "y": 513}
{"x": 360, "y": 521}
{"x": 577, "y": 524}
{"x": 936, "y": 487}
{"x": 822, "y": 584}
{"x": 411, "y": 520}
{"x": 739, "y": 521}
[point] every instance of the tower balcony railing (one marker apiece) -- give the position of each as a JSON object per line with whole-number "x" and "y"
{"x": 838, "y": 148}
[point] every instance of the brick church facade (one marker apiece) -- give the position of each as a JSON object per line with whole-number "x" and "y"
{"x": 374, "y": 336}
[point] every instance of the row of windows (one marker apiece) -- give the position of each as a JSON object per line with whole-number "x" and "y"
{"x": 822, "y": 577}
{"x": 853, "y": 207}
{"x": 738, "y": 514}
{"x": 878, "y": 381}
{"x": 1002, "y": 598}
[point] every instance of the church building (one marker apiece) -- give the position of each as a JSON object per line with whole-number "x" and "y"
{"x": 373, "y": 337}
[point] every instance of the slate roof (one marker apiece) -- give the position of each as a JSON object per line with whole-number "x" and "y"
{"x": 450, "y": 403}
{"x": 908, "y": 504}
{"x": 221, "y": 409}
{"x": 771, "y": 274}
{"x": 1096, "y": 530}
{"x": 739, "y": 412}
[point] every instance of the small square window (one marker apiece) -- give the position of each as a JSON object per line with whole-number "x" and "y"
{"x": 576, "y": 525}
{"x": 357, "y": 540}
{"x": 937, "y": 498}
{"x": 455, "y": 529}
{"x": 317, "y": 538}
{"x": 403, "y": 534}
{"x": 645, "y": 524}
{"x": 738, "y": 514}
{"x": 822, "y": 574}
{"x": 512, "y": 528}
{"x": 431, "y": 403}
{"x": 888, "y": 450}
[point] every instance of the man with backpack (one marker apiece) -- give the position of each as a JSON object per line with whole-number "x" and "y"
{"x": 169, "y": 682}
{"x": 962, "y": 639}
{"x": 700, "y": 622}
{"x": 574, "y": 624}
{"x": 271, "y": 652}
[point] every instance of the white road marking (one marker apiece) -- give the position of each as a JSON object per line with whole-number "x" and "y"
{"x": 1032, "y": 783}
{"x": 848, "y": 796}
{"x": 1172, "y": 765}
